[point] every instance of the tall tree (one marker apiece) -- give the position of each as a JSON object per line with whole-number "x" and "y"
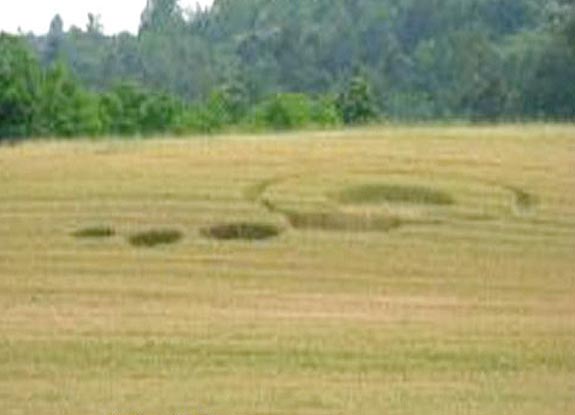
{"x": 161, "y": 16}
{"x": 20, "y": 79}
{"x": 54, "y": 41}
{"x": 94, "y": 26}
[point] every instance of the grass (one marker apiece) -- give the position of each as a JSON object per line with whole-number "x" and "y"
{"x": 343, "y": 222}
{"x": 95, "y": 232}
{"x": 472, "y": 315}
{"x": 380, "y": 193}
{"x": 524, "y": 201}
{"x": 155, "y": 237}
{"x": 241, "y": 231}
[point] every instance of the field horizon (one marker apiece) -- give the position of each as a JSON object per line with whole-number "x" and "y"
{"x": 383, "y": 270}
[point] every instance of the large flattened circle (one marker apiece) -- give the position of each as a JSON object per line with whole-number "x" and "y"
{"x": 376, "y": 202}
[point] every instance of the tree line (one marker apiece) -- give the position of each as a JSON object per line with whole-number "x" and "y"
{"x": 51, "y": 101}
{"x": 262, "y": 64}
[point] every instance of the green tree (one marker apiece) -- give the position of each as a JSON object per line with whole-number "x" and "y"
{"x": 129, "y": 109}
{"x": 65, "y": 108}
{"x": 284, "y": 112}
{"x": 161, "y": 16}
{"x": 120, "y": 109}
{"x": 20, "y": 78}
{"x": 356, "y": 103}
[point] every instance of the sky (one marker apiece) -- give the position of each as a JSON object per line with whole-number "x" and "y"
{"x": 35, "y": 15}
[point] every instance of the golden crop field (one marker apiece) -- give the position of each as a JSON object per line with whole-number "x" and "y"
{"x": 379, "y": 271}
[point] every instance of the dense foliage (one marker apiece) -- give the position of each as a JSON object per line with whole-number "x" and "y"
{"x": 289, "y": 64}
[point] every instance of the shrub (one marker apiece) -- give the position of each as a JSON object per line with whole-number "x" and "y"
{"x": 324, "y": 113}
{"x": 129, "y": 109}
{"x": 284, "y": 112}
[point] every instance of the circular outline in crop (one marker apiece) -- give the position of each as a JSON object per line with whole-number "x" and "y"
{"x": 524, "y": 203}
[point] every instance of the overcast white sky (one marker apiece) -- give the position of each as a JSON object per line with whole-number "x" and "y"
{"x": 35, "y": 15}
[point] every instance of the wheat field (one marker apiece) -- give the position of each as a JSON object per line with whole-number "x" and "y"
{"x": 395, "y": 270}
